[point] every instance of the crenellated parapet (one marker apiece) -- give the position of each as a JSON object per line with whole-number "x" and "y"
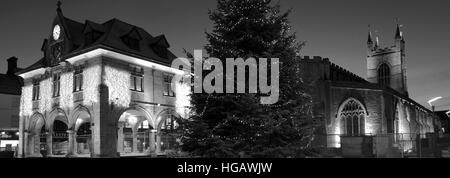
{"x": 333, "y": 71}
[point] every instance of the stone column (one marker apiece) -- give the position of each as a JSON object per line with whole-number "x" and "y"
{"x": 49, "y": 144}
{"x": 31, "y": 144}
{"x": 75, "y": 143}
{"x": 26, "y": 145}
{"x": 152, "y": 146}
{"x": 120, "y": 137}
{"x": 135, "y": 140}
{"x": 158, "y": 142}
{"x": 37, "y": 145}
{"x": 71, "y": 143}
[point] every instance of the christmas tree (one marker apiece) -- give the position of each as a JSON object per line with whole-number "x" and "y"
{"x": 238, "y": 125}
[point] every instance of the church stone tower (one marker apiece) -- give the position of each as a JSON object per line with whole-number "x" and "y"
{"x": 387, "y": 66}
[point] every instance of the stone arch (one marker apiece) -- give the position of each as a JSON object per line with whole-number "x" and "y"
{"x": 61, "y": 135}
{"x": 143, "y": 111}
{"x": 36, "y": 128}
{"x": 167, "y": 139}
{"x": 80, "y": 112}
{"x": 58, "y": 114}
{"x": 352, "y": 116}
{"x": 130, "y": 137}
{"x": 82, "y": 119}
{"x": 160, "y": 119}
{"x": 37, "y": 120}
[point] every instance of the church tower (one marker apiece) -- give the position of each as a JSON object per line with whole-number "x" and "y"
{"x": 387, "y": 66}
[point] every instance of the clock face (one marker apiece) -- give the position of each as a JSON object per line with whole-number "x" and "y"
{"x": 56, "y": 32}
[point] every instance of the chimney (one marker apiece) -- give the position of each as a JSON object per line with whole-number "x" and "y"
{"x": 12, "y": 66}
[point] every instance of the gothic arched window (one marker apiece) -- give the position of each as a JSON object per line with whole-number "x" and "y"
{"x": 384, "y": 75}
{"x": 352, "y": 115}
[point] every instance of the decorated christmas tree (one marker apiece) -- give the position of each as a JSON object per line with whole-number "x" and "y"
{"x": 238, "y": 125}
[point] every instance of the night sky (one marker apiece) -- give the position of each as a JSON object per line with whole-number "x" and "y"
{"x": 331, "y": 28}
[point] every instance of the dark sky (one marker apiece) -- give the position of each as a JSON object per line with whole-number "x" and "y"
{"x": 333, "y": 29}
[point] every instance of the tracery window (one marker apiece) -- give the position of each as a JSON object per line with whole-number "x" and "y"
{"x": 352, "y": 115}
{"x": 384, "y": 75}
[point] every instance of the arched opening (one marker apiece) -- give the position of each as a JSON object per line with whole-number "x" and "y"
{"x": 134, "y": 132}
{"x": 352, "y": 114}
{"x": 169, "y": 132}
{"x": 38, "y": 140}
{"x": 83, "y": 139}
{"x": 384, "y": 75}
{"x": 60, "y": 139}
{"x": 83, "y": 133}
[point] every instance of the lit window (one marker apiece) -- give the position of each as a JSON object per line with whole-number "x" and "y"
{"x": 36, "y": 90}
{"x": 352, "y": 116}
{"x": 78, "y": 80}
{"x": 167, "y": 90}
{"x": 169, "y": 124}
{"x": 137, "y": 79}
{"x": 56, "y": 85}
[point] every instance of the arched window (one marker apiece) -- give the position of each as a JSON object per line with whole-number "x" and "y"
{"x": 352, "y": 115}
{"x": 170, "y": 132}
{"x": 169, "y": 124}
{"x": 384, "y": 75}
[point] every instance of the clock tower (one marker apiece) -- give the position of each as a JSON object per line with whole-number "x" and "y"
{"x": 58, "y": 43}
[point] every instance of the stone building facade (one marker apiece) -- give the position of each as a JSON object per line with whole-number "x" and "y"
{"x": 101, "y": 90}
{"x": 350, "y": 105}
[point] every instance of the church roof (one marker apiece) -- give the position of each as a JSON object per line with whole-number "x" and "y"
{"x": 110, "y": 36}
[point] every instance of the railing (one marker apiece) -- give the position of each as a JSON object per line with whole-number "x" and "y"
{"x": 386, "y": 145}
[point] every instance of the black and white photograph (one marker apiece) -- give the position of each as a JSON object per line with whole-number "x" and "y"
{"x": 234, "y": 84}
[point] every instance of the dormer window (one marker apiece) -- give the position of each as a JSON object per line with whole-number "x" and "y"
{"x": 161, "y": 51}
{"x": 131, "y": 42}
{"x": 132, "y": 39}
{"x": 91, "y": 37}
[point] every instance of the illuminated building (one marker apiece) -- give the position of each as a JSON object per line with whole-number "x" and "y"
{"x": 349, "y": 105}
{"x": 101, "y": 90}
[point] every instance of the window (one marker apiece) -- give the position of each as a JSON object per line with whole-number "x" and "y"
{"x": 131, "y": 42}
{"x": 352, "y": 115}
{"x": 91, "y": 37}
{"x": 169, "y": 124}
{"x": 56, "y": 85}
{"x": 137, "y": 79}
{"x": 78, "y": 79}
{"x": 384, "y": 75}
{"x": 36, "y": 90}
{"x": 161, "y": 51}
{"x": 167, "y": 86}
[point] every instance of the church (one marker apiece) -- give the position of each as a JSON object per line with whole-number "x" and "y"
{"x": 100, "y": 90}
{"x": 351, "y": 107}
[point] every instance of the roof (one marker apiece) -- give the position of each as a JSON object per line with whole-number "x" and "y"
{"x": 10, "y": 84}
{"x": 111, "y": 37}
